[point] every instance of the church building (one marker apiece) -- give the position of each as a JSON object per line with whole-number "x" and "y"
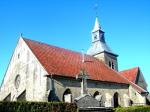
{"x": 41, "y": 72}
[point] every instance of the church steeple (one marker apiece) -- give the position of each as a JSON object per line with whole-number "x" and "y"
{"x": 96, "y": 26}
{"x": 98, "y": 40}
{"x": 97, "y": 33}
{"x": 100, "y": 49}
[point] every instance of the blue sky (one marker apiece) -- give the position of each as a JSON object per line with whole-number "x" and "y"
{"x": 68, "y": 24}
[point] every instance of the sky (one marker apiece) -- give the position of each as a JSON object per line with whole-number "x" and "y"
{"x": 68, "y": 24}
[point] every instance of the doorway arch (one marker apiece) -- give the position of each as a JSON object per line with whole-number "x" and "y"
{"x": 115, "y": 99}
{"x": 95, "y": 94}
{"x": 67, "y": 96}
{"x": 52, "y": 96}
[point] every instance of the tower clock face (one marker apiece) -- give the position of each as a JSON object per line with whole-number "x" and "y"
{"x": 17, "y": 81}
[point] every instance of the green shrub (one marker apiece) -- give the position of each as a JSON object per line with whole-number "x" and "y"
{"x": 133, "y": 109}
{"x": 37, "y": 107}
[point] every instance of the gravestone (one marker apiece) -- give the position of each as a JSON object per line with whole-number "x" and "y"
{"x": 86, "y": 101}
{"x": 67, "y": 98}
{"x": 98, "y": 97}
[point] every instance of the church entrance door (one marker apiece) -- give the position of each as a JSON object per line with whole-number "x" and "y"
{"x": 116, "y": 103}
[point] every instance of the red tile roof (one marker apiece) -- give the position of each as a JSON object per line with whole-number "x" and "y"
{"x": 62, "y": 62}
{"x": 131, "y": 74}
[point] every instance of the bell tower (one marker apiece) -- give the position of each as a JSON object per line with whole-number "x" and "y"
{"x": 100, "y": 49}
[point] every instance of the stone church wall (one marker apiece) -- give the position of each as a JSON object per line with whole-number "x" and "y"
{"x": 137, "y": 98}
{"x": 104, "y": 88}
{"x": 32, "y": 76}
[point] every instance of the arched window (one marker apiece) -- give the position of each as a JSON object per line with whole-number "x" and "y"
{"x": 17, "y": 81}
{"x": 67, "y": 96}
{"x": 115, "y": 98}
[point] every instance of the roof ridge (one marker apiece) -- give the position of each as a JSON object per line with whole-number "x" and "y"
{"x": 130, "y": 69}
{"x": 59, "y": 47}
{"x": 62, "y": 48}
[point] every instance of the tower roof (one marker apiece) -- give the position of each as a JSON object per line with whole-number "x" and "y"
{"x": 99, "y": 45}
{"x": 99, "y": 48}
{"x": 96, "y": 26}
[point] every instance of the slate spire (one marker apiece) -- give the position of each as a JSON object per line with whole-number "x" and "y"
{"x": 96, "y": 26}
{"x": 98, "y": 40}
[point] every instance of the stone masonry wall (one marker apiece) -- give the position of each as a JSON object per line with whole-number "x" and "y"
{"x": 61, "y": 84}
{"x": 136, "y": 97}
{"x": 32, "y": 75}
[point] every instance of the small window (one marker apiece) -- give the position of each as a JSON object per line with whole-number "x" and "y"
{"x": 109, "y": 64}
{"x": 112, "y": 65}
{"x": 18, "y": 55}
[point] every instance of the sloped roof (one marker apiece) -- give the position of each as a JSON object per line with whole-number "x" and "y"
{"x": 131, "y": 74}
{"x": 62, "y": 62}
{"x": 99, "y": 48}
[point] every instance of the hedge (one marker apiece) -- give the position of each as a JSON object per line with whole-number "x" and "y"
{"x": 133, "y": 109}
{"x": 37, "y": 107}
